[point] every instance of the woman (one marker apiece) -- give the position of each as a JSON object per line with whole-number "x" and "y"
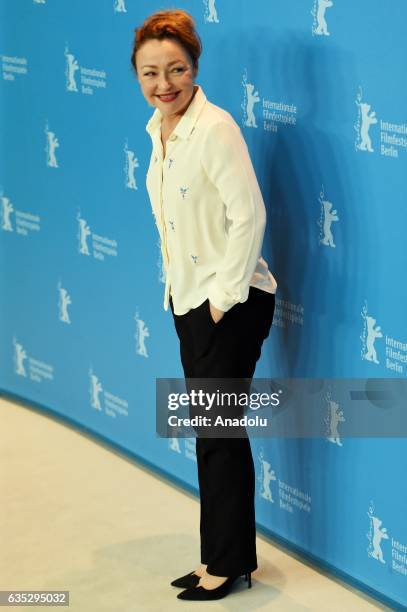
{"x": 211, "y": 218}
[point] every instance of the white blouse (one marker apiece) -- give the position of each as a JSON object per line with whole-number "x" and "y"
{"x": 208, "y": 209}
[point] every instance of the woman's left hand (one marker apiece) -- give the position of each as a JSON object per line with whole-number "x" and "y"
{"x": 216, "y": 314}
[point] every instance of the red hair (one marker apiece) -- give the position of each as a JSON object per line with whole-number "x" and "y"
{"x": 173, "y": 24}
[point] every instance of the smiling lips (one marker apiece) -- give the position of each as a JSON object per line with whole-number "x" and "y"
{"x": 169, "y": 97}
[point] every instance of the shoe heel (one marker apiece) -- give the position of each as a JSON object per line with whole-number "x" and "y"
{"x": 248, "y": 577}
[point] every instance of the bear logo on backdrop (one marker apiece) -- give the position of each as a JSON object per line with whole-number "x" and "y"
{"x": 119, "y": 6}
{"x": 365, "y": 118}
{"x": 83, "y": 233}
{"x": 6, "y": 209}
{"x": 173, "y": 444}
{"x": 273, "y": 112}
{"x": 250, "y": 98}
{"x": 290, "y": 497}
{"x": 90, "y": 78}
{"x": 38, "y": 369}
{"x": 72, "y": 67}
{"x": 95, "y": 388}
{"x": 141, "y": 334}
{"x": 393, "y": 136}
{"x": 19, "y": 356}
{"x": 266, "y": 476}
{"x": 395, "y": 348}
{"x": 102, "y": 246}
{"x": 319, "y": 25}
{"x": 327, "y": 216}
{"x": 130, "y": 164}
{"x": 379, "y": 542}
{"x": 52, "y": 143}
{"x": 189, "y": 447}
{"x": 375, "y": 535}
{"x": 24, "y": 221}
{"x": 64, "y": 299}
{"x": 114, "y": 406}
{"x": 333, "y": 418}
{"x": 211, "y": 14}
{"x": 370, "y": 333}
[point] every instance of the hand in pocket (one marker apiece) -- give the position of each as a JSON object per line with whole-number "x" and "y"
{"x": 216, "y": 314}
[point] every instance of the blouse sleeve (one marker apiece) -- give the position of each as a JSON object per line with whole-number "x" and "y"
{"x": 227, "y": 163}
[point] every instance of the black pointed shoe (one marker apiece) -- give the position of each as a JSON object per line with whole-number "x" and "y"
{"x": 199, "y": 593}
{"x": 188, "y": 581}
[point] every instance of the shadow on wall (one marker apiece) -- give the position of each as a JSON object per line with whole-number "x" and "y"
{"x": 298, "y": 168}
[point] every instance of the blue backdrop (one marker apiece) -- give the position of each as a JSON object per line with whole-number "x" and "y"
{"x": 319, "y": 91}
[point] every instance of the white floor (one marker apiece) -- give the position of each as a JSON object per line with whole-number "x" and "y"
{"x": 75, "y": 515}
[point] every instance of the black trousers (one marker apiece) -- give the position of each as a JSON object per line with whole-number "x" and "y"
{"x": 226, "y": 476}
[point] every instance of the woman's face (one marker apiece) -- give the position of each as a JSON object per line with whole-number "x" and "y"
{"x": 163, "y": 67}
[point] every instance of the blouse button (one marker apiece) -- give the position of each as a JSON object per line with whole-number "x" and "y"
{"x": 173, "y": 137}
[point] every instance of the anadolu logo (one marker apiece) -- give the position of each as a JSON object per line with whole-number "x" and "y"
{"x": 274, "y": 113}
{"x": 119, "y": 6}
{"x": 327, "y": 216}
{"x": 52, "y": 143}
{"x": 319, "y": 25}
{"x": 211, "y": 14}
{"x": 365, "y": 119}
{"x": 370, "y": 333}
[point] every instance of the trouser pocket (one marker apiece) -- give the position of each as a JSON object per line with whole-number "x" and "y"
{"x": 209, "y": 315}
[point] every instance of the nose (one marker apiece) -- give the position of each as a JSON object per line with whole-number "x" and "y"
{"x": 164, "y": 84}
